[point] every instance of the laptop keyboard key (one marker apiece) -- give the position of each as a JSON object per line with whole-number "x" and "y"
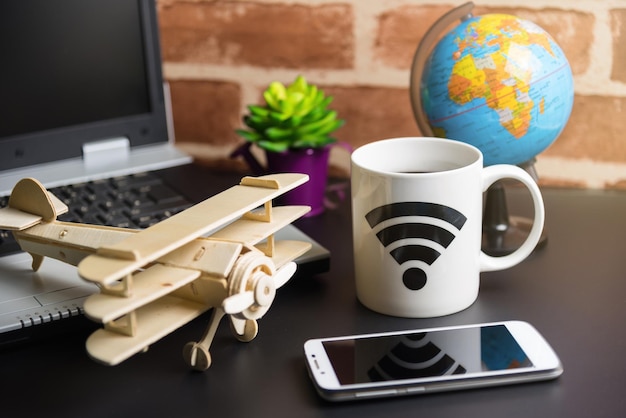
{"x": 162, "y": 194}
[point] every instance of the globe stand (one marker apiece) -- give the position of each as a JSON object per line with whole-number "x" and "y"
{"x": 503, "y": 234}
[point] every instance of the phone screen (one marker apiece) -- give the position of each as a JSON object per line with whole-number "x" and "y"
{"x": 425, "y": 354}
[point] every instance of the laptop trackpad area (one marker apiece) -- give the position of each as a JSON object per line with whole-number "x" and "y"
{"x": 30, "y": 298}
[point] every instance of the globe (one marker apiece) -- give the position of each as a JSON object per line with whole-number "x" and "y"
{"x": 498, "y": 82}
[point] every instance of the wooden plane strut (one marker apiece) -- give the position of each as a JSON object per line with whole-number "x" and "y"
{"x": 220, "y": 254}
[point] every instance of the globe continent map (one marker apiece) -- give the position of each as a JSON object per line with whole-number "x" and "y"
{"x": 501, "y": 84}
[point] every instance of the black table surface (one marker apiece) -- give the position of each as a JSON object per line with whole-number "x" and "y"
{"x": 573, "y": 290}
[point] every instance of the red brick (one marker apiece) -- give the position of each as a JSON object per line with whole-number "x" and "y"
{"x": 401, "y": 29}
{"x": 372, "y": 113}
{"x": 264, "y": 35}
{"x": 618, "y": 26}
{"x": 594, "y": 130}
{"x": 206, "y": 111}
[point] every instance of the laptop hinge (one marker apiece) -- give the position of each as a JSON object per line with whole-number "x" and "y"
{"x": 107, "y": 152}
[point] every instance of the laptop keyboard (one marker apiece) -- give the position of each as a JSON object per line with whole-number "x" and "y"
{"x": 137, "y": 201}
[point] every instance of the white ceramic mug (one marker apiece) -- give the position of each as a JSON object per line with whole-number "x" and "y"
{"x": 417, "y": 224}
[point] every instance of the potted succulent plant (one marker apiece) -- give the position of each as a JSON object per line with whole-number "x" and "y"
{"x": 294, "y": 127}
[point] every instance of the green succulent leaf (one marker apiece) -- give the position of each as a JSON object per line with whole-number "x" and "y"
{"x": 286, "y": 107}
{"x": 294, "y": 116}
{"x": 249, "y": 136}
{"x": 256, "y": 123}
{"x": 315, "y": 115}
{"x": 280, "y": 134}
{"x": 277, "y": 117}
{"x": 295, "y": 97}
{"x": 274, "y": 95}
{"x": 277, "y": 90}
{"x": 299, "y": 85}
{"x": 329, "y": 127}
{"x": 274, "y": 146}
{"x": 314, "y": 126}
{"x": 258, "y": 111}
{"x": 294, "y": 121}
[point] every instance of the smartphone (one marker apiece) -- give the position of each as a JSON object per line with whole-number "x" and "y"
{"x": 429, "y": 360}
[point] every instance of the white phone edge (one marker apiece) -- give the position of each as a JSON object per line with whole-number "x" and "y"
{"x": 546, "y": 366}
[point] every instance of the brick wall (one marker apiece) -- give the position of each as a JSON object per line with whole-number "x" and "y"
{"x": 220, "y": 55}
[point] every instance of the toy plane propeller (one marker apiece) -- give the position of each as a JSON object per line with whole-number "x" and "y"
{"x": 218, "y": 254}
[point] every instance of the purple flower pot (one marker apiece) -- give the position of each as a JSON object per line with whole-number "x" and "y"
{"x": 311, "y": 161}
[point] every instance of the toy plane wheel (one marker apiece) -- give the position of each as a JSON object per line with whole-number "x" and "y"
{"x": 244, "y": 330}
{"x": 197, "y": 356}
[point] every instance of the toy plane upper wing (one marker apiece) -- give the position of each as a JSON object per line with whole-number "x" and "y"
{"x": 113, "y": 262}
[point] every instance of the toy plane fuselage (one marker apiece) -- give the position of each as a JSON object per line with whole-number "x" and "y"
{"x": 218, "y": 254}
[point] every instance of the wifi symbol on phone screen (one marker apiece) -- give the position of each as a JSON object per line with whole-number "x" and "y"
{"x": 414, "y": 278}
{"x": 414, "y": 356}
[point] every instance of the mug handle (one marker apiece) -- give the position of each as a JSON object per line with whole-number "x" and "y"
{"x": 493, "y": 173}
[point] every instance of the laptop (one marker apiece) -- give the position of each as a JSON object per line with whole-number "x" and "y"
{"x": 84, "y": 107}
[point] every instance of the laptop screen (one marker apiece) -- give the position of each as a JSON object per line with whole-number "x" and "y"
{"x": 77, "y": 71}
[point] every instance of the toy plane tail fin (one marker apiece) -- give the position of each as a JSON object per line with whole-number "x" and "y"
{"x": 30, "y": 196}
{"x": 29, "y": 204}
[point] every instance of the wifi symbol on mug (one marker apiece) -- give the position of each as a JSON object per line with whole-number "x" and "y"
{"x": 414, "y": 278}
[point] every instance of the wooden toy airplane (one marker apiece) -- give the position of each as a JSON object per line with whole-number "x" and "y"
{"x": 155, "y": 280}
